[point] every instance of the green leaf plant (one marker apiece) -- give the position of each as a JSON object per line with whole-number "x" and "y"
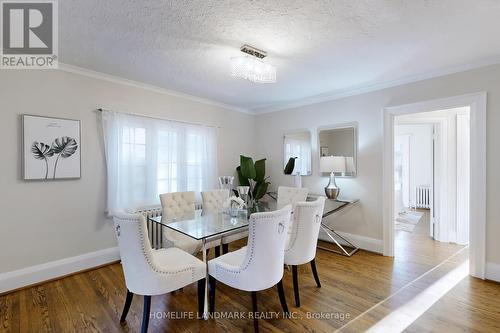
{"x": 290, "y": 165}
{"x": 253, "y": 175}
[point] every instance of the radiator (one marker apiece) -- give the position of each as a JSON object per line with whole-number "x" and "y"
{"x": 155, "y": 230}
{"x": 423, "y": 197}
{"x": 155, "y": 233}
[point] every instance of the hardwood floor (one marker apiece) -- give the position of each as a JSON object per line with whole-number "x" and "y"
{"x": 356, "y": 293}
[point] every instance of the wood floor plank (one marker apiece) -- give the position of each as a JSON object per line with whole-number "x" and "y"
{"x": 9, "y": 313}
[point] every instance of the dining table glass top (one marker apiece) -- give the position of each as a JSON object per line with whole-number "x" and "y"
{"x": 215, "y": 224}
{"x": 204, "y": 226}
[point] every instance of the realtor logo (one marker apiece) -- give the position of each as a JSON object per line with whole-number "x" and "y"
{"x": 29, "y": 34}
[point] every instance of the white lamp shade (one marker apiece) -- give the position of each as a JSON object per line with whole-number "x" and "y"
{"x": 332, "y": 164}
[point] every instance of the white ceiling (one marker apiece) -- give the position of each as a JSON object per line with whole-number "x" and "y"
{"x": 318, "y": 47}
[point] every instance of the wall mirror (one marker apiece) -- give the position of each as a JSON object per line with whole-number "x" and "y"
{"x": 298, "y": 144}
{"x": 342, "y": 143}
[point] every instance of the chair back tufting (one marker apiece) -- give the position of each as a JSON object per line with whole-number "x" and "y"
{"x": 291, "y": 195}
{"x": 213, "y": 201}
{"x": 304, "y": 230}
{"x": 262, "y": 267}
{"x": 178, "y": 205}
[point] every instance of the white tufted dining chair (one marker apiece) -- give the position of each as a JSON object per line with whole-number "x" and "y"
{"x": 301, "y": 248}
{"x": 181, "y": 206}
{"x": 178, "y": 205}
{"x": 291, "y": 195}
{"x": 151, "y": 272}
{"x": 213, "y": 201}
{"x": 259, "y": 265}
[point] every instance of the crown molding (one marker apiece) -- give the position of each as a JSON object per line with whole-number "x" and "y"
{"x": 371, "y": 87}
{"x": 136, "y": 84}
{"x": 274, "y": 107}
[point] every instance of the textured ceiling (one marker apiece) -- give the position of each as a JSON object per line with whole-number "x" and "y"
{"x": 317, "y": 46}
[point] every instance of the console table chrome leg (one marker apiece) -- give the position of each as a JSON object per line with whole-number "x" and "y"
{"x": 343, "y": 251}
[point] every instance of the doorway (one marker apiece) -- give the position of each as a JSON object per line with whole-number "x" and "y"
{"x": 431, "y": 182}
{"x": 475, "y": 209}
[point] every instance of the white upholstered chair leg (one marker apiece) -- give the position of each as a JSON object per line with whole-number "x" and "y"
{"x": 301, "y": 248}
{"x": 259, "y": 265}
{"x": 151, "y": 272}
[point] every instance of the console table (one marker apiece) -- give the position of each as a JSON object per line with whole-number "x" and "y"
{"x": 331, "y": 207}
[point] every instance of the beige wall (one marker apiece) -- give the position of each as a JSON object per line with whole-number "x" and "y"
{"x": 46, "y": 221}
{"x": 367, "y": 110}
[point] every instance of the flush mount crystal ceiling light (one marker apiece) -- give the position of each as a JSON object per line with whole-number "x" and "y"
{"x": 251, "y": 67}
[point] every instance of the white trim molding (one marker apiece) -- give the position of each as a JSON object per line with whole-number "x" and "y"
{"x": 364, "y": 243}
{"x": 493, "y": 271}
{"x": 35, "y": 274}
{"x": 145, "y": 86}
{"x": 371, "y": 87}
{"x": 477, "y": 104}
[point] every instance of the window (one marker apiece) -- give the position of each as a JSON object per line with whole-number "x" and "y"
{"x": 301, "y": 149}
{"x": 146, "y": 157}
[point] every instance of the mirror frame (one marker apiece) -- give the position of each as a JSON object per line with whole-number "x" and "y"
{"x": 283, "y": 163}
{"x": 353, "y": 125}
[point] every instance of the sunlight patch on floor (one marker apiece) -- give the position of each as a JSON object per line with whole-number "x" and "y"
{"x": 402, "y": 317}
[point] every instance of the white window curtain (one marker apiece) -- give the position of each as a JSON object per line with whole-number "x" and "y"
{"x": 146, "y": 157}
{"x": 302, "y": 150}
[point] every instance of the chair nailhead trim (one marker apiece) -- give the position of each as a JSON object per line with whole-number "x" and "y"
{"x": 148, "y": 259}
{"x": 298, "y": 219}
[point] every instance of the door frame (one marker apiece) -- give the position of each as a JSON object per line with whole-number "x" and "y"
{"x": 477, "y": 214}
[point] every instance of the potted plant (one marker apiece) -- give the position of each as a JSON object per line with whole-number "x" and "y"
{"x": 253, "y": 175}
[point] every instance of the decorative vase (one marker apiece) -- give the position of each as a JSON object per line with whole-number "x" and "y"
{"x": 298, "y": 180}
{"x": 233, "y": 211}
{"x": 226, "y": 182}
{"x": 243, "y": 192}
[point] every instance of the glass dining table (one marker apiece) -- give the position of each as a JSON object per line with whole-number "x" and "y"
{"x": 214, "y": 226}
{"x": 206, "y": 228}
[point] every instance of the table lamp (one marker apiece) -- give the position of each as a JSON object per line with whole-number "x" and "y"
{"x": 332, "y": 164}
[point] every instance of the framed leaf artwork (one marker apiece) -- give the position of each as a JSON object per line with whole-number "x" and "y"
{"x": 51, "y": 148}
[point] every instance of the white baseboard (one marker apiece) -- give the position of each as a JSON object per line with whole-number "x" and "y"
{"x": 365, "y": 243}
{"x": 492, "y": 271}
{"x": 54, "y": 269}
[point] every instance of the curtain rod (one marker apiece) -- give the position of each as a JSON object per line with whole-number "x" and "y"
{"x": 159, "y": 118}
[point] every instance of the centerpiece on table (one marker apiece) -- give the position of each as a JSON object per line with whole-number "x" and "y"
{"x": 233, "y": 205}
{"x": 253, "y": 175}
